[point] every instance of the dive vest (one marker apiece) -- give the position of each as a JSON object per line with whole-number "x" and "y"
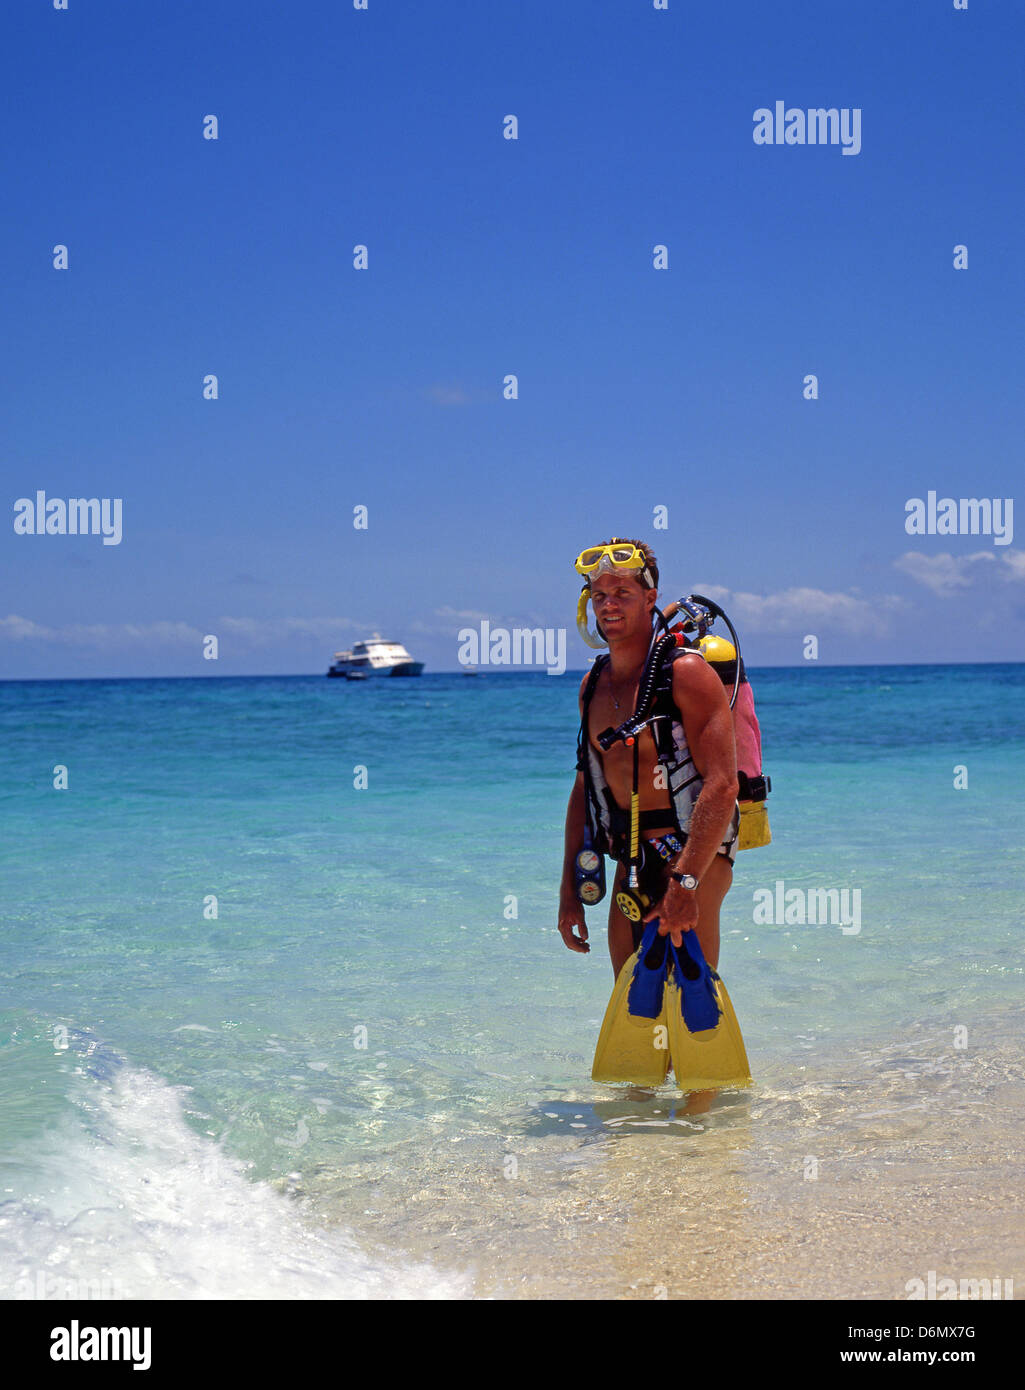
{"x": 605, "y": 819}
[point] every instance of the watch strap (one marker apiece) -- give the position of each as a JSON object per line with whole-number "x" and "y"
{"x": 690, "y": 887}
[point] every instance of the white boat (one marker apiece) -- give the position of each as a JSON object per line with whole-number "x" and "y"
{"x": 375, "y": 657}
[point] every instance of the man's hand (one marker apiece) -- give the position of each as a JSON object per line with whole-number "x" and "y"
{"x": 677, "y": 911}
{"x": 571, "y": 914}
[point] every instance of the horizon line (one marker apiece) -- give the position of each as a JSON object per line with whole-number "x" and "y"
{"x": 499, "y": 671}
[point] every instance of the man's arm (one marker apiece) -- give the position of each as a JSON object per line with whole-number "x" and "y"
{"x": 574, "y": 837}
{"x": 571, "y": 909}
{"x": 708, "y": 724}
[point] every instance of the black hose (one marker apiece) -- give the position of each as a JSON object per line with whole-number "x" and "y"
{"x": 645, "y": 694}
{"x": 714, "y": 608}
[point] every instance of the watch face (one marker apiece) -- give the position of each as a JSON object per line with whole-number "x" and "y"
{"x": 588, "y": 861}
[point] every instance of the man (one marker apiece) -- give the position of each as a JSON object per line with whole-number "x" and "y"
{"x": 686, "y": 890}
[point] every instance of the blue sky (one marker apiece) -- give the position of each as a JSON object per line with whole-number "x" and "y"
{"x": 637, "y": 387}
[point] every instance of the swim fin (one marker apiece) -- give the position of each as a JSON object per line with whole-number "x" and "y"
{"x": 634, "y": 1041}
{"x": 708, "y": 1058}
{"x": 700, "y": 1006}
{"x": 644, "y": 999}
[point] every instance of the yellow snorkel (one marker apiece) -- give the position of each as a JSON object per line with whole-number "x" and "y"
{"x": 591, "y": 636}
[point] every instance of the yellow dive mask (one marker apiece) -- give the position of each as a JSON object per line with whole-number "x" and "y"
{"x": 622, "y": 555}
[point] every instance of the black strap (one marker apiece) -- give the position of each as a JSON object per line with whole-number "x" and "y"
{"x": 753, "y": 788}
{"x": 592, "y": 810}
{"x": 592, "y": 680}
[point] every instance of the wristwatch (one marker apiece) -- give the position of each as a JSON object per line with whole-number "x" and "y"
{"x": 687, "y": 881}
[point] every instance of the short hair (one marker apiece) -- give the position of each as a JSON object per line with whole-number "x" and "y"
{"x": 646, "y": 551}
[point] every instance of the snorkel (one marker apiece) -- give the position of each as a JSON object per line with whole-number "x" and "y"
{"x": 592, "y": 636}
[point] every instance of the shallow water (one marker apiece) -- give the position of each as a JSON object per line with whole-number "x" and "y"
{"x": 369, "y": 1073}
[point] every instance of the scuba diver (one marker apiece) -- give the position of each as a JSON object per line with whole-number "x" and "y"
{"x": 657, "y": 784}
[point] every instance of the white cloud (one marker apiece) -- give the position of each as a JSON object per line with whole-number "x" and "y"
{"x": 103, "y": 635}
{"x": 448, "y": 395}
{"x": 799, "y": 609}
{"x": 948, "y": 574}
{"x": 253, "y": 631}
{"x": 17, "y": 629}
{"x": 1012, "y": 564}
{"x": 260, "y": 631}
{"x": 453, "y": 613}
{"x": 452, "y": 619}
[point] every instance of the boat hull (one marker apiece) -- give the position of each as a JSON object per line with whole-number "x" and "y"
{"x": 401, "y": 668}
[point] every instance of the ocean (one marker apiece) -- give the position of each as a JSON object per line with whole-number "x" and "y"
{"x": 285, "y": 1013}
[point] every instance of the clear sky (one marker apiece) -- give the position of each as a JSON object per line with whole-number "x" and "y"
{"x": 638, "y": 387}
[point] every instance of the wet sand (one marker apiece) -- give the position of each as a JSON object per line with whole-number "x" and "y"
{"x": 829, "y": 1188}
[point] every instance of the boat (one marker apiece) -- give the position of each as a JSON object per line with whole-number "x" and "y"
{"x": 374, "y": 657}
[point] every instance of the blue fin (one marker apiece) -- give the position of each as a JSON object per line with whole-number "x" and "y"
{"x": 699, "y": 1005}
{"x": 649, "y": 978}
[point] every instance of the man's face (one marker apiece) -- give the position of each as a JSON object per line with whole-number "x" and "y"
{"x": 622, "y": 605}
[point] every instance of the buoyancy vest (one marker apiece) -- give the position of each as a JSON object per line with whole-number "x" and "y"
{"x": 683, "y": 781}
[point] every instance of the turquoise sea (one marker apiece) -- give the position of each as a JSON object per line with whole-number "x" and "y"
{"x": 267, "y": 1032}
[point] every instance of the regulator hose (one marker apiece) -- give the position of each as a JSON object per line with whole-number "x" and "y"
{"x": 645, "y": 693}
{"x": 700, "y": 626}
{"x": 713, "y": 607}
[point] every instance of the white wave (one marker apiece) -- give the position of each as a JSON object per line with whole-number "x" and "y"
{"x": 130, "y": 1202}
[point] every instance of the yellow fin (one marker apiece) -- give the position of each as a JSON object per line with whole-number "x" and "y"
{"x": 703, "y": 1061}
{"x": 631, "y": 1049}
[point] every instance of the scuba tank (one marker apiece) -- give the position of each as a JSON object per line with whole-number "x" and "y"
{"x": 724, "y": 659}
{"x": 754, "y": 787}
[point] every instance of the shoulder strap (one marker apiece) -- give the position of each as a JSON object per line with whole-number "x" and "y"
{"x": 600, "y": 662}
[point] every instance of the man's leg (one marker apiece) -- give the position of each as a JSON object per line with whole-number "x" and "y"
{"x": 621, "y": 938}
{"x": 712, "y": 889}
